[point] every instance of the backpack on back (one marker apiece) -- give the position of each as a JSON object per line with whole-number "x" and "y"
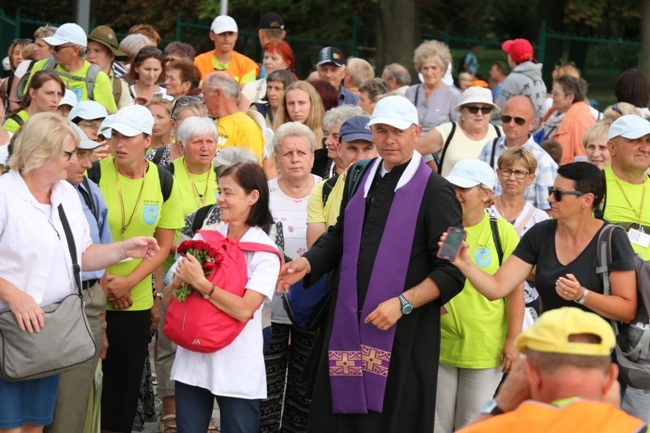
{"x": 50, "y": 64}
{"x": 633, "y": 340}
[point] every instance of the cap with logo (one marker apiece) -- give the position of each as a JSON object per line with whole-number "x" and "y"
{"x": 471, "y": 172}
{"x": 331, "y": 55}
{"x": 520, "y": 50}
{"x": 630, "y": 126}
{"x": 270, "y": 20}
{"x": 132, "y": 120}
{"x": 106, "y": 36}
{"x": 553, "y": 330}
{"x": 69, "y": 33}
{"x": 355, "y": 128}
{"x": 223, "y": 24}
{"x": 396, "y": 111}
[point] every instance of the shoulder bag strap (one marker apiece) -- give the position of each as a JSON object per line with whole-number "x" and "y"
{"x": 494, "y": 150}
{"x": 497, "y": 239}
{"x": 71, "y": 246}
{"x": 445, "y": 146}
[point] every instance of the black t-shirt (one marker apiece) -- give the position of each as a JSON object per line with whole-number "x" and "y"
{"x": 537, "y": 247}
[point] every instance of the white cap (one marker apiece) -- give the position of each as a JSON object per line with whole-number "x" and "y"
{"x": 105, "y": 127}
{"x": 222, "y": 24}
{"x": 471, "y": 172}
{"x": 629, "y": 126}
{"x": 69, "y": 98}
{"x": 85, "y": 143}
{"x": 479, "y": 95}
{"x": 88, "y": 110}
{"x": 395, "y": 111}
{"x": 6, "y": 64}
{"x": 132, "y": 120}
{"x": 69, "y": 33}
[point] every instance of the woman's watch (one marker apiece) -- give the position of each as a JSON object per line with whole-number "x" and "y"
{"x": 490, "y": 407}
{"x": 158, "y": 295}
{"x": 583, "y": 298}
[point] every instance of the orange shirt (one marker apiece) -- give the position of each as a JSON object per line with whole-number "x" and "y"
{"x": 241, "y": 68}
{"x": 569, "y": 134}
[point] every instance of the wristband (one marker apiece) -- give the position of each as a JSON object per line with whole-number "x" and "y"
{"x": 583, "y": 298}
{"x": 207, "y": 296}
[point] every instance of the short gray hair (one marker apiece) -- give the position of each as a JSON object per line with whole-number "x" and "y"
{"x": 194, "y": 126}
{"x": 131, "y": 44}
{"x": 399, "y": 73}
{"x": 338, "y": 115}
{"x": 233, "y": 155}
{"x": 432, "y": 51}
{"x": 222, "y": 81}
{"x": 293, "y": 129}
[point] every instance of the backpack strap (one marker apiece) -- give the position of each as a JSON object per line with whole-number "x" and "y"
{"x": 354, "y": 176}
{"x": 157, "y": 155}
{"x": 94, "y": 173}
{"x": 200, "y": 216}
{"x": 494, "y": 150}
{"x": 328, "y": 186}
{"x": 496, "y": 238}
{"x": 117, "y": 89}
{"x": 604, "y": 255}
{"x": 22, "y": 83}
{"x": 215, "y": 236}
{"x": 16, "y": 118}
{"x": 91, "y": 79}
{"x": 445, "y": 146}
{"x": 88, "y": 198}
{"x": 166, "y": 182}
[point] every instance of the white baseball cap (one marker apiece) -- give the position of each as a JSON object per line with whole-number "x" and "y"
{"x": 88, "y": 110}
{"x": 630, "y": 126}
{"x": 222, "y": 24}
{"x": 132, "y": 120}
{"x": 69, "y": 33}
{"x": 471, "y": 172}
{"x": 395, "y": 111}
{"x": 85, "y": 143}
{"x": 69, "y": 98}
{"x": 105, "y": 127}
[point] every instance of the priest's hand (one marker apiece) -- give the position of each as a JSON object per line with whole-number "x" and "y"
{"x": 386, "y": 314}
{"x": 291, "y": 273}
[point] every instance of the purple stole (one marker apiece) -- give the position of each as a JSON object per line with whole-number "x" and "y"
{"x": 358, "y": 353}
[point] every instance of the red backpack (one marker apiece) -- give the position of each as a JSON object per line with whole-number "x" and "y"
{"x": 196, "y": 324}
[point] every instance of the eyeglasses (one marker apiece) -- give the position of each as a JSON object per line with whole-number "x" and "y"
{"x": 557, "y": 194}
{"x": 518, "y": 120}
{"x": 473, "y": 109}
{"x": 24, "y": 41}
{"x": 506, "y": 172}
{"x": 58, "y": 48}
{"x": 184, "y": 101}
{"x": 69, "y": 155}
{"x": 89, "y": 125}
{"x": 149, "y": 50}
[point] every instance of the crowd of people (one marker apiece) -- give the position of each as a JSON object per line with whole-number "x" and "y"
{"x": 350, "y": 180}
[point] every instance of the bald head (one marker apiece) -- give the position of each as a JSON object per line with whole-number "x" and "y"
{"x": 521, "y": 105}
{"x": 396, "y": 76}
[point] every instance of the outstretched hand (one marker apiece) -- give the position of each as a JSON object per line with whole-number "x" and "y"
{"x": 291, "y": 273}
{"x": 140, "y": 247}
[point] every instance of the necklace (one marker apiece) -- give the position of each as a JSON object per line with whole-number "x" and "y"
{"x": 503, "y": 211}
{"x": 126, "y": 224}
{"x": 200, "y": 198}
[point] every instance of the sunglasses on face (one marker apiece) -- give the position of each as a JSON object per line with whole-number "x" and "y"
{"x": 184, "y": 101}
{"x": 518, "y": 120}
{"x": 60, "y": 47}
{"x": 473, "y": 109}
{"x": 557, "y": 194}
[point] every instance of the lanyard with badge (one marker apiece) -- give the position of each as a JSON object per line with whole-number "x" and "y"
{"x": 636, "y": 236}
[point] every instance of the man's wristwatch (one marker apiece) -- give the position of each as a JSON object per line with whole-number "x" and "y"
{"x": 158, "y": 295}
{"x": 490, "y": 407}
{"x": 406, "y": 305}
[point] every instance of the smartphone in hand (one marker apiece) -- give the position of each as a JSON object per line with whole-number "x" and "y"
{"x": 451, "y": 247}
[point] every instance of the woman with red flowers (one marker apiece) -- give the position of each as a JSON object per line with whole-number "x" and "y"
{"x": 233, "y": 375}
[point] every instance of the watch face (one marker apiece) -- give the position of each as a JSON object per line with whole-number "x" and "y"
{"x": 406, "y": 309}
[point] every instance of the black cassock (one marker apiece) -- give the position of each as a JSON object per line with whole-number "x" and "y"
{"x": 409, "y": 403}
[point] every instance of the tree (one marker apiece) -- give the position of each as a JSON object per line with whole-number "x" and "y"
{"x": 397, "y": 31}
{"x": 645, "y": 37}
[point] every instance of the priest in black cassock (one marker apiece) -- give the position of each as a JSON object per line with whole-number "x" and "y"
{"x": 379, "y": 363}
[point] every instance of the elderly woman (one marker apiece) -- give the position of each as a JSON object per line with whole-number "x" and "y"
{"x": 477, "y": 336}
{"x": 278, "y": 56}
{"x": 564, "y": 251}
{"x": 30, "y": 194}
{"x": 434, "y": 99}
{"x": 289, "y": 196}
{"x": 182, "y": 78}
{"x": 516, "y": 171}
{"x": 234, "y": 374}
{"x": 369, "y": 93}
{"x": 43, "y": 94}
{"x": 570, "y": 118}
{"x": 464, "y": 139}
{"x": 276, "y": 83}
{"x": 595, "y": 143}
{"x": 332, "y": 122}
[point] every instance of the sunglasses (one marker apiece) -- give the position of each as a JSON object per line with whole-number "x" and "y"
{"x": 557, "y": 194}
{"x": 69, "y": 155}
{"x": 184, "y": 101}
{"x": 506, "y": 172}
{"x": 473, "y": 109}
{"x": 58, "y": 48}
{"x": 24, "y": 41}
{"x": 518, "y": 120}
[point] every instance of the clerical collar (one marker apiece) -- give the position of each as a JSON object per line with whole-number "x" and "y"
{"x": 398, "y": 170}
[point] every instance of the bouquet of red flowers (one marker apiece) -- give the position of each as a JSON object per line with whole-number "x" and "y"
{"x": 208, "y": 256}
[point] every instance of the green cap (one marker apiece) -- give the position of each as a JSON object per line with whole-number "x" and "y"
{"x": 106, "y": 36}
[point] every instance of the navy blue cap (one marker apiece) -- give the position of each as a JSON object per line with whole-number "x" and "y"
{"x": 356, "y": 128}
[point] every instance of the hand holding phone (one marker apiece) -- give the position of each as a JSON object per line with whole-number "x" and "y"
{"x": 451, "y": 247}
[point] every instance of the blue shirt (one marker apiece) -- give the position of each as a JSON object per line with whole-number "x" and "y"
{"x": 100, "y": 232}
{"x": 537, "y": 193}
{"x": 346, "y": 97}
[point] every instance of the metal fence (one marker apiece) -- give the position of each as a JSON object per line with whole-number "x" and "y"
{"x": 601, "y": 60}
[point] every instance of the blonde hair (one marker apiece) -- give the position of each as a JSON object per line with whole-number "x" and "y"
{"x": 432, "y": 50}
{"x": 315, "y": 119}
{"x": 359, "y": 70}
{"x": 509, "y": 157}
{"x": 619, "y": 109}
{"x": 165, "y": 103}
{"x": 595, "y": 131}
{"x": 566, "y": 69}
{"x": 41, "y": 140}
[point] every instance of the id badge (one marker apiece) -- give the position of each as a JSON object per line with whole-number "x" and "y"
{"x": 638, "y": 237}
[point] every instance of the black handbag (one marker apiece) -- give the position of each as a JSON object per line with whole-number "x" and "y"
{"x": 64, "y": 342}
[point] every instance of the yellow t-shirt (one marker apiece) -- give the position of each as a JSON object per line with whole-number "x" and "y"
{"x": 619, "y": 210}
{"x": 11, "y": 125}
{"x": 239, "y": 130}
{"x": 102, "y": 92}
{"x": 474, "y": 329}
{"x": 328, "y": 213}
{"x": 150, "y": 213}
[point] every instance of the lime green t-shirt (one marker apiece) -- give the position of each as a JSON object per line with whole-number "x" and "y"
{"x": 474, "y": 329}
{"x": 11, "y": 125}
{"x": 191, "y": 188}
{"x": 150, "y": 213}
{"x": 328, "y": 213}
{"x": 102, "y": 92}
{"x": 619, "y": 210}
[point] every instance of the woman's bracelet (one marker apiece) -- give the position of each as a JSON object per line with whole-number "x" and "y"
{"x": 583, "y": 298}
{"x": 209, "y": 294}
